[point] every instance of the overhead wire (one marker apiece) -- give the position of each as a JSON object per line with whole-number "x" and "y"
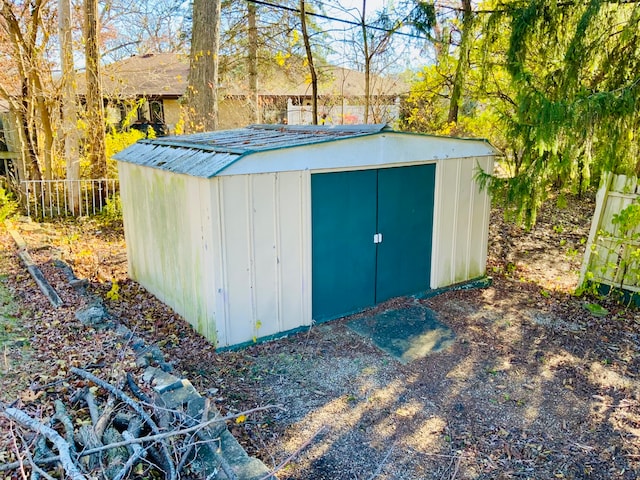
{"x": 341, "y": 20}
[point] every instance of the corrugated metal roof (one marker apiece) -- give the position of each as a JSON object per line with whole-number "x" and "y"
{"x": 207, "y": 154}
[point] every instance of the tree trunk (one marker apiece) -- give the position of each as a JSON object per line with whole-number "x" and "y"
{"x": 69, "y": 110}
{"x": 312, "y": 68}
{"x": 253, "y": 62}
{"x": 463, "y": 62}
{"x": 94, "y": 101}
{"x": 367, "y": 62}
{"x": 202, "y": 93}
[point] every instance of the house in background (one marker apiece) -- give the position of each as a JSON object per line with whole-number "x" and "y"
{"x": 156, "y": 83}
{"x": 10, "y": 158}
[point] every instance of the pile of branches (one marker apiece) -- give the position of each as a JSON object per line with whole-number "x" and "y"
{"x": 119, "y": 436}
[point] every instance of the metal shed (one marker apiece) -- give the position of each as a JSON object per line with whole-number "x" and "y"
{"x": 256, "y": 232}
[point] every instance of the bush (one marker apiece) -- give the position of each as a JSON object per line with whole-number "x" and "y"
{"x": 112, "y": 211}
{"x": 8, "y": 205}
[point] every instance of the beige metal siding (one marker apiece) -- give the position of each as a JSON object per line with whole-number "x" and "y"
{"x": 461, "y": 220}
{"x": 264, "y": 254}
{"x": 164, "y": 234}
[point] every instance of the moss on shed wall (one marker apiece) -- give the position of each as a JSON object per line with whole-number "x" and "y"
{"x": 163, "y": 228}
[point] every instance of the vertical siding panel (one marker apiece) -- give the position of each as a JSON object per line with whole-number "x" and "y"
{"x": 210, "y": 247}
{"x": 305, "y": 255}
{"x": 472, "y": 209}
{"x": 223, "y": 319}
{"x": 264, "y": 226}
{"x": 434, "y": 278}
{"x": 462, "y": 217}
{"x": 291, "y": 262}
{"x": 480, "y": 227}
{"x": 446, "y": 227}
{"x": 277, "y": 218}
{"x": 237, "y": 258}
{"x": 207, "y": 284}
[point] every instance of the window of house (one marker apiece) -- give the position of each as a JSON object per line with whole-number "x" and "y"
{"x": 157, "y": 112}
{"x": 3, "y": 140}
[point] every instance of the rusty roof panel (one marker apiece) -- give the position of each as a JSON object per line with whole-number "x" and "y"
{"x": 207, "y": 154}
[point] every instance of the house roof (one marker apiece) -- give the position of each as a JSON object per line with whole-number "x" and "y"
{"x": 161, "y": 74}
{"x": 166, "y": 74}
{"x": 209, "y": 154}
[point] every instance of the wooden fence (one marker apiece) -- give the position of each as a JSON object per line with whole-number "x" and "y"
{"x": 612, "y": 255}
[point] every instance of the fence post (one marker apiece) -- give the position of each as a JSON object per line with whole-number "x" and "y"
{"x": 601, "y": 201}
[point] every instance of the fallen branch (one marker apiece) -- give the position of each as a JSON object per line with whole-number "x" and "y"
{"x": 63, "y": 417}
{"x": 381, "y": 464}
{"x": 61, "y": 444}
{"x": 138, "y": 409}
{"x": 150, "y": 438}
{"x": 138, "y": 454}
{"x": 43, "y": 284}
{"x": 35, "y": 467}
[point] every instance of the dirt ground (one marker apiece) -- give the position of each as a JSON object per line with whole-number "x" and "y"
{"x": 534, "y": 387}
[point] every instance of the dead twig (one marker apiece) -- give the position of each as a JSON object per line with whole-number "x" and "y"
{"x": 64, "y": 449}
{"x": 35, "y": 467}
{"x": 152, "y": 438}
{"x": 172, "y": 475}
{"x": 381, "y": 464}
{"x": 138, "y": 454}
{"x": 287, "y": 460}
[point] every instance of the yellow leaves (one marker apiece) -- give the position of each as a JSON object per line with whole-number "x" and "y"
{"x": 113, "y": 294}
{"x": 29, "y": 395}
{"x": 241, "y": 419}
{"x": 281, "y": 58}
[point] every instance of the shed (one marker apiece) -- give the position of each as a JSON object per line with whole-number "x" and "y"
{"x": 257, "y": 232}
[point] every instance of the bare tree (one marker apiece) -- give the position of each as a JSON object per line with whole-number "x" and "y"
{"x": 253, "y": 60}
{"x": 69, "y": 105}
{"x": 95, "y": 141}
{"x": 24, "y": 30}
{"x": 202, "y": 92}
{"x": 312, "y": 68}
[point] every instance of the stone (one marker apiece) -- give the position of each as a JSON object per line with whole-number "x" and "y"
{"x": 92, "y": 315}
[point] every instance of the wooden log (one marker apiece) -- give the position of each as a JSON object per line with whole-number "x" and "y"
{"x": 33, "y": 270}
{"x": 43, "y": 284}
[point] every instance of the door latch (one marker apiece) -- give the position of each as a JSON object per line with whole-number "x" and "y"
{"x": 377, "y": 238}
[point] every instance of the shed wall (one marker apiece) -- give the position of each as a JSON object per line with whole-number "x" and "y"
{"x": 461, "y": 222}
{"x": 264, "y": 255}
{"x": 168, "y": 249}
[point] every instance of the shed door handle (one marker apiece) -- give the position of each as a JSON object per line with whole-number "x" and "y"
{"x": 377, "y": 238}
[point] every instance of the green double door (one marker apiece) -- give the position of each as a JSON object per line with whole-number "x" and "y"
{"x": 371, "y": 237}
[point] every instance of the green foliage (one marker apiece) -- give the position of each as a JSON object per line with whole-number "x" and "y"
{"x": 596, "y": 310}
{"x": 112, "y": 211}
{"x": 552, "y": 85}
{"x": 628, "y": 221}
{"x": 8, "y": 206}
{"x": 574, "y": 70}
{"x": 114, "y": 292}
